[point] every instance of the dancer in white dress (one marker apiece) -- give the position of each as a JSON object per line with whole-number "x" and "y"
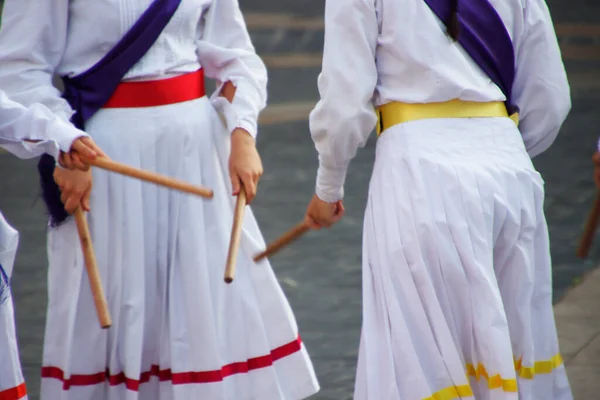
{"x": 456, "y": 263}
{"x": 178, "y": 331}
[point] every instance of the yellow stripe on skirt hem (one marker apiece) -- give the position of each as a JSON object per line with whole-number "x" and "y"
{"x": 452, "y": 392}
{"x": 538, "y": 368}
{"x": 496, "y": 381}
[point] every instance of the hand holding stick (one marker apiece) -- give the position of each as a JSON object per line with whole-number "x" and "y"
{"x": 236, "y": 234}
{"x": 283, "y": 241}
{"x": 92, "y": 269}
{"x": 148, "y": 176}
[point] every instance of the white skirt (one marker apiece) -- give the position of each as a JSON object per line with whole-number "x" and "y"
{"x": 179, "y": 332}
{"x": 456, "y": 269}
{"x": 12, "y": 385}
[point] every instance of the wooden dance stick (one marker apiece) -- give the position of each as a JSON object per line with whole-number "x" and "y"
{"x": 92, "y": 269}
{"x": 293, "y": 234}
{"x": 236, "y": 234}
{"x": 148, "y": 176}
{"x": 590, "y": 229}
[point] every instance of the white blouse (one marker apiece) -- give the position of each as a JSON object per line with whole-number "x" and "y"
{"x": 378, "y": 51}
{"x": 42, "y": 37}
{"x": 44, "y": 131}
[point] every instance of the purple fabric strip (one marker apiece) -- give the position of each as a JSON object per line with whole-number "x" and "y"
{"x": 4, "y": 286}
{"x": 484, "y": 36}
{"x": 90, "y": 90}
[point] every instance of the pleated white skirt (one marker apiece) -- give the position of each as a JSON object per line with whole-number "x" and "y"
{"x": 456, "y": 269}
{"x": 12, "y": 385}
{"x": 179, "y": 332}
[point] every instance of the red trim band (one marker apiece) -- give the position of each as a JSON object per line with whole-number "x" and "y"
{"x": 158, "y": 93}
{"x": 177, "y": 378}
{"x": 15, "y": 393}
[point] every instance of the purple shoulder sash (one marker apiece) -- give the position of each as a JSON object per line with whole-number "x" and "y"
{"x": 90, "y": 90}
{"x": 485, "y": 38}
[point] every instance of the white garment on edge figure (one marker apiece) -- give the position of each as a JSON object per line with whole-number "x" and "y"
{"x": 46, "y": 133}
{"x": 12, "y": 385}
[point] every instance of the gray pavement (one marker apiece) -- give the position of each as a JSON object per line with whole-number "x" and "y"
{"x": 578, "y": 321}
{"x": 321, "y": 273}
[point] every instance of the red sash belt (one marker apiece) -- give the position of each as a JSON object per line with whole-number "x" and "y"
{"x": 158, "y": 93}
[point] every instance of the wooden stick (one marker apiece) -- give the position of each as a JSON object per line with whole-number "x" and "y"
{"x": 236, "y": 234}
{"x": 590, "y": 229}
{"x": 148, "y": 176}
{"x": 92, "y": 269}
{"x": 283, "y": 241}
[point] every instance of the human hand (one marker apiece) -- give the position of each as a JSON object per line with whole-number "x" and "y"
{"x": 75, "y": 187}
{"x": 245, "y": 166}
{"x": 82, "y": 147}
{"x": 321, "y": 214}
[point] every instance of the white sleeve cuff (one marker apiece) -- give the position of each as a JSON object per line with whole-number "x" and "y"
{"x": 232, "y": 119}
{"x": 330, "y": 182}
{"x": 55, "y": 127}
{"x": 26, "y": 150}
{"x": 66, "y": 135}
{"x": 242, "y": 112}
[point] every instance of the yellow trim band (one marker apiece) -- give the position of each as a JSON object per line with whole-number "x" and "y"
{"x": 452, "y": 392}
{"x": 395, "y": 113}
{"x": 538, "y": 368}
{"x": 496, "y": 381}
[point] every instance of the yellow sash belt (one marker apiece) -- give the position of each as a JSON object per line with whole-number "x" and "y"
{"x": 394, "y": 113}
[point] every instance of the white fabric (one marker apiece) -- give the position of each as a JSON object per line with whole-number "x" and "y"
{"x": 10, "y": 367}
{"x": 36, "y": 123}
{"x": 456, "y": 265}
{"x": 162, "y": 257}
{"x": 68, "y": 37}
{"x": 51, "y": 134}
{"x": 378, "y": 51}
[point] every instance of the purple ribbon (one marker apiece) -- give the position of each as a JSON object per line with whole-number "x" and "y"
{"x": 484, "y": 36}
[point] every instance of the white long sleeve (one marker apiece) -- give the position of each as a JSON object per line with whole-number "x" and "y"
{"x": 541, "y": 89}
{"x": 227, "y": 54}
{"x": 345, "y": 116}
{"x": 30, "y": 132}
{"x": 33, "y": 35}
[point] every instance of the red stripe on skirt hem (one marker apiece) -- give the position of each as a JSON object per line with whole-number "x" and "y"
{"x": 15, "y": 393}
{"x": 178, "y": 378}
